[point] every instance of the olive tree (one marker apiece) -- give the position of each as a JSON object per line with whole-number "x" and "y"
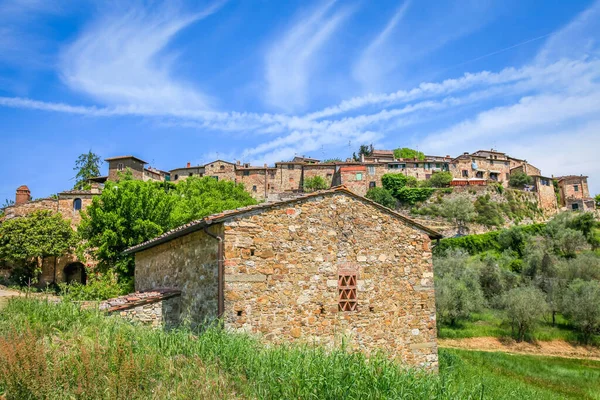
{"x": 581, "y": 304}
{"x": 459, "y": 211}
{"x": 524, "y": 306}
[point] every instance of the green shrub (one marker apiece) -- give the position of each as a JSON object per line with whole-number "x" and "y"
{"x": 381, "y": 196}
{"x": 413, "y": 196}
{"x": 519, "y": 180}
{"x": 99, "y": 286}
{"x": 440, "y": 179}
{"x": 315, "y": 183}
{"x": 475, "y": 244}
{"x": 488, "y": 212}
{"x": 396, "y": 182}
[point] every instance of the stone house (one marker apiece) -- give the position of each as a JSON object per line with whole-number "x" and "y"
{"x": 575, "y": 193}
{"x": 137, "y": 167}
{"x": 70, "y": 203}
{"x": 321, "y": 268}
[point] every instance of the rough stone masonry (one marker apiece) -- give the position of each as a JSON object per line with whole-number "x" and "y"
{"x": 325, "y": 268}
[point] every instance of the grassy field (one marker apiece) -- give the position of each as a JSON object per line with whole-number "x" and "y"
{"x": 59, "y": 352}
{"x": 489, "y": 324}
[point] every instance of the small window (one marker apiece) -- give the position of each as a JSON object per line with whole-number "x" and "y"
{"x": 372, "y": 184}
{"x": 479, "y": 174}
{"x": 222, "y": 167}
{"x": 191, "y": 174}
{"x": 371, "y": 170}
{"x": 254, "y": 188}
{"x": 77, "y": 204}
{"x": 359, "y": 176}
{"x": 246, "y": 173}
{"x": 576, "y": 188}
{"x": 465, "y": 173}
{"x": 175, "y": 177}
{"x": 290, "y": 166}
{"x": 347, "y": 292}
{"x": 437, "y": 165}
{"x": 120, "y": 167}
{"x": 575, "y": 206}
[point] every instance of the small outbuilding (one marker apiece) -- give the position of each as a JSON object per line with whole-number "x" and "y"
{"x": 323, "y": 268}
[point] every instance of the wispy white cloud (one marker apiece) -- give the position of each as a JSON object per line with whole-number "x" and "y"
{"x": 374, "y": 61}
{"x": 579, "y": 39}
{"x": 116, "y": 59}
{"x": 292, "y": 59}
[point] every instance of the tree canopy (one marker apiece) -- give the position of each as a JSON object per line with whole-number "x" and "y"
{"x": 314, "y": 183}
{"x": 129, "y": 212}
{"x": 519, "y": 180}
{"x": 27, "y": 240}
{"x": 405, "y": 152}
{"x": 87, "y": 166}
{"x": 458, "y": 210}
{"x": 365, "y": 149}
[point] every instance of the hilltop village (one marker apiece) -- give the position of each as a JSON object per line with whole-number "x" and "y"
{"x": 285, "y": 180}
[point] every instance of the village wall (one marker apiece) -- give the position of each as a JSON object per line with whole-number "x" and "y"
{"x": 189, "y": 264}
{"x": 282, "y": 268}
{"x": 136, "y": 167}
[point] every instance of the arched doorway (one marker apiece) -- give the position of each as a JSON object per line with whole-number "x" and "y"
{"x": 75, "y": 272}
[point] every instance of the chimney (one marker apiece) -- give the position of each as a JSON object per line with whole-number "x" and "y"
{"x": 238, "y": 162}
{"x": 265, "y": 165}
{"x": 362, "y": 157}
{"x": 23, "y": 195}
{"x": 189, "y": 164}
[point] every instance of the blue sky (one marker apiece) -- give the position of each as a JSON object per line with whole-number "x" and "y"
{"x": 263, "y": 80}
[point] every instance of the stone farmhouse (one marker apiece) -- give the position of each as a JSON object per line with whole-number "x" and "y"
{"x": 321, "y": 268}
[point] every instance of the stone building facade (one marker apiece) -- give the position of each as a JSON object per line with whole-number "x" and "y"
{"x": 575, "y": 193}
{"x": 66, "y": 268}
{"x": 321, "y": 268}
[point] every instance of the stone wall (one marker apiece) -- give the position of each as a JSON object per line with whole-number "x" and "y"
{"x": 546, "y": 196}
{"x": 136, "y": 167}
{"x": 154, "y": 308}
{"x": 288, "y": 177}
{"x": 66, "y": 206}
{"x": 24, "y": 209}
{"x": 259, "y": 182}
{"x": 221, "y": 170}
{"x": 188, "y": 264}
{"x": 282, "y": 268}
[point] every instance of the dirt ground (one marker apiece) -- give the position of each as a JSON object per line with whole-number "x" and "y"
{"x": 6, "y": 293}
{"x": 554, "y": 348}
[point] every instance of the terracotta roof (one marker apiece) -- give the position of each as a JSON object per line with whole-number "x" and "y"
{"x": 353, "y": 168}
{"x": 219, "y": 160}
{"x": 23, "y": 187}
{"x": 123, "y": 157}
{"x": 560, "y": 178}
{"x": 137, "y": 299}
{"x": 75, "y": 191}
{"x": 226, "y": 215}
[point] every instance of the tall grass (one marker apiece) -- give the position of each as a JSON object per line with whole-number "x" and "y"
{"x": 59, "y": 351}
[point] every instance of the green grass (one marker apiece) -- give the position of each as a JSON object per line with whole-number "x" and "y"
{"x": 528, "y": 376}
{"x": 59, "y": 351}
{"x": 489, "y": 324}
